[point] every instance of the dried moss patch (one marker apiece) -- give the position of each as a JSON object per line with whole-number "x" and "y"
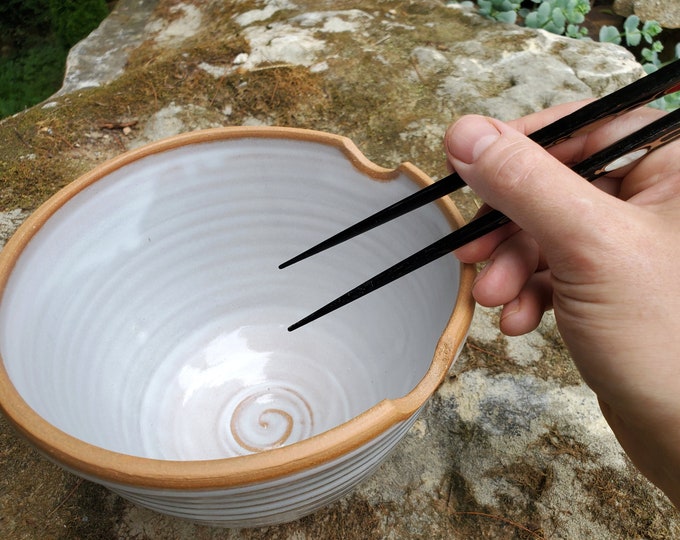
{"x": 614, "y": 504}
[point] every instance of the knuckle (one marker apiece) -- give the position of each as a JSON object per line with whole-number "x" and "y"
{"x": 513, "y": 169}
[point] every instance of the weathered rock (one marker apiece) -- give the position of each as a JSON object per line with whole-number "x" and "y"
{"x": 623, "y": 7}
{"x": 102, "y": 56}
{"x": 9, "y": 222}
{"x": 665, "y": 12}
{"x": 513, "y": 444}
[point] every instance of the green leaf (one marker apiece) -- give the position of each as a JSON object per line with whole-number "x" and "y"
{"x": 553, "y": 28}
{"x": 575, "y": 17}
{"x": 531, "y": 20}
{"x": 649, "y": 68}
{"x": 544, "y": 11}
{"x": 576, "y": 32}
{"x": 631, "y": 23}
{"x": 651, "y": 29}
{"x": 633, "y": 38}
{"x": 650, "y": 55}
{"x": 506, "y": 16}
{"x": 558, "y": 18}
{"x": 609, "y": 34}
{"x": 582, "y": 6}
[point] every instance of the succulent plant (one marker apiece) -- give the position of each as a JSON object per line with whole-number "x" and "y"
{"x": 558, "y": 16}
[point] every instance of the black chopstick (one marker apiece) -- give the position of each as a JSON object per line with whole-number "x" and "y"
{"x": 625, "y": 151}
{"x": 665, "y": 80}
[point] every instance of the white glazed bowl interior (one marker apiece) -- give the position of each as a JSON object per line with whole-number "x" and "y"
{"x": 145, "y": 314}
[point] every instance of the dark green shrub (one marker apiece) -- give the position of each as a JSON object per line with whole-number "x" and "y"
{"x": 35, "y": 36}
{"x": 72, "y": 20}
{"x": 22, "y": 22}
{"x": 28, "y": 79}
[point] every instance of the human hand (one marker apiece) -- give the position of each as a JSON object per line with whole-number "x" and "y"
{"x": 603, "y": 255}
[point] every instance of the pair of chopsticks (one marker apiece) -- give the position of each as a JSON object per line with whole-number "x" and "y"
{"x": 631, "y": 148}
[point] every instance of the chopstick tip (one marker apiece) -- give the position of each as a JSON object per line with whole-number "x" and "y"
{"x": 296, "y": 325}
{"x": 314, "y": 316}
{"x": 290, "y": 262}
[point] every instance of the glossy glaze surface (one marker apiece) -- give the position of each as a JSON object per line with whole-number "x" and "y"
{"x": 145, "y": 319}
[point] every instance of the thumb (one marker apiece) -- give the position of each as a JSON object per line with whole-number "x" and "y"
{"x": 519, "y": 178}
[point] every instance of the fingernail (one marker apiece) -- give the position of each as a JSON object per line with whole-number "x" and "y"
{"x": 482, "y": 272}
{"x": 470, "y": 137}
{"x": 510, "y": 308}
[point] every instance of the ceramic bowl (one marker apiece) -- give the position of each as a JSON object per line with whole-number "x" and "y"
{"x": 143, "y": 324}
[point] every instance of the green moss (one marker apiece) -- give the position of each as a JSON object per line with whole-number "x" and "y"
{"x": 31, "y": 162}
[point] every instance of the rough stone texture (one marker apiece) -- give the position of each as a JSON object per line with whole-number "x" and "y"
{"x": 623, "y": 7}
{"x": 102, "y": 57}
{"x": 513, "y": 444}
{"x": 9, "y": 222}
{"x": 665, "y": 12}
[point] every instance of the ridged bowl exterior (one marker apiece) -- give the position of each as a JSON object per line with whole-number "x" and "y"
{"x": 276, "y": 501}
{"x": 143, "y": 324}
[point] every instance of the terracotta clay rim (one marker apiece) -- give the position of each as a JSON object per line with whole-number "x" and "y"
{"x": 100, "y": 464}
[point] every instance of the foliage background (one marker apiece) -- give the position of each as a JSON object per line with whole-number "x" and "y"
{"x": 35, "y": 37}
